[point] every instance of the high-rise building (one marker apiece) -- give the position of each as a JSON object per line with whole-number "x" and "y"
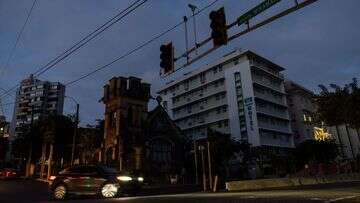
{"x": 35, "y": 98}
{"x": 241, "y": 94}
{"x": 302, "y": 109}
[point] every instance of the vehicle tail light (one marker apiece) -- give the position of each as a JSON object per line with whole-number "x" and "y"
{"x": 52, "y": 178}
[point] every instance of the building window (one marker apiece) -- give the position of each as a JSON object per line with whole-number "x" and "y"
{"x": 186, "y": 85}
{"x": 202, "y": 77}
{"x": 220, "y": 68}
{"x": 215, "y": 70}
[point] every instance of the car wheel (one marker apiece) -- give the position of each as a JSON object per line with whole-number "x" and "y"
{"x": 109, "y": 190}
{"x": 60, "y": 192}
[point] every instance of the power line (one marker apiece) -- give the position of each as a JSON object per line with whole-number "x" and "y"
{"x": 138, "y": 48}
{"x": 89, "y": 37}
{"x": 84, "y": 41}
{"x": 18, "y": 37}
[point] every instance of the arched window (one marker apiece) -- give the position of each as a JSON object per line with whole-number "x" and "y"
{"x": 161, "y": 151}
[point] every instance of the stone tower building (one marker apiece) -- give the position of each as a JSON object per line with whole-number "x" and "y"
{"x": 126, "y": 101}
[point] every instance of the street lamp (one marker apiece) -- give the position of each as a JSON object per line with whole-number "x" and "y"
{"x": 75, "y": 130}
{"x": 193, "y": 8}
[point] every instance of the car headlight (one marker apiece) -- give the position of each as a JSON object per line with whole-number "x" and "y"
{"x": 124, "y": 178}
{"x": 140, "y": 179}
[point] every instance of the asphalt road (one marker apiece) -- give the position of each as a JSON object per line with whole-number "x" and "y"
{"x": 32, "y": 191}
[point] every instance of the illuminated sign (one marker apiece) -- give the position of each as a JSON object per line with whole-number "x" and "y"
{"x": 249, "y": 112}
{"x": 320, "y": 134}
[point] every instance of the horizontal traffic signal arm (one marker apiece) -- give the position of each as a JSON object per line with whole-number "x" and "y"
{"x": 249, "y": 28}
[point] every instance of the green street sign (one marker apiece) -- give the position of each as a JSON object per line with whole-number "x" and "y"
{"x": 256, "y": 10}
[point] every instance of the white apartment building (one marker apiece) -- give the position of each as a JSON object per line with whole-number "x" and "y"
{"x": 241, "y": 94}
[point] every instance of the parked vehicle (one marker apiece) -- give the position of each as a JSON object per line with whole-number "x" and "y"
{"x": 91, "y": 180}
{"x": 9, "y": 173}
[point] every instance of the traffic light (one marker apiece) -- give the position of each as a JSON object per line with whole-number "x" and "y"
{"x": 167, "y": 58}
{"x": 218, "y": 27}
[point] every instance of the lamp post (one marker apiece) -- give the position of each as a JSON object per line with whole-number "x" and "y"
{"x": 193, "y": 8}
{"x": 75, "y": 128}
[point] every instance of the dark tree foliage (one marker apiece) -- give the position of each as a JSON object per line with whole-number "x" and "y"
{"x": 52, "y": 129}
{"x": 90, "y": 140}
{"x": 312, "y": 151}
{"x": 339, "y": 106}
{"x": 223, "y": 148}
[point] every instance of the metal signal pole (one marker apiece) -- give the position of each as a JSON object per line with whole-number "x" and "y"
{"x": 75, "y": 134}
{"x": 193, "y": 8}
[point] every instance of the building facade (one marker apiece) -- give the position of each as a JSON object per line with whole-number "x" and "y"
{"x": 36, "y": 98}
{"x": 302, "y": 109}
{"x": 138, "y": 139}
{"x": 241, "y": 94}
{"x": 126, "y": 101}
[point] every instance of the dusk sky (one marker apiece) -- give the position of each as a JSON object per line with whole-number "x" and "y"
{"x": 317, "y": 45}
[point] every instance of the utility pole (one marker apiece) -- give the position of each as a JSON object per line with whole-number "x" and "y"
{"x": 196, "y": 163}
{"x": 186, "y": 40}
{"x": 193, "y": 8}
{"x": 209, "y": 163}
{"x": 75, "y": 133}
{"x": 28, "y": 164}
{"x": 202, "y": 148}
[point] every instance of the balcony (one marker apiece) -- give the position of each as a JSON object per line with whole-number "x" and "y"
{"x": 266, "y": 83}
{"x": 205, "y": 121}
{"x": 200, "y": 109}
{"x": 210, "y": 91}
{"x": 275, "y": 128}
{"x": 264, "y": 69}
{"x": 270, "y": 98}
{"x": 271, "y": 112}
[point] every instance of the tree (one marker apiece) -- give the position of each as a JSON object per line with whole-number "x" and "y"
{"x": 333, "y": 108}
{"x": 89, "y": 141}
{"x": 56, "y": 133}
{"x": 223, "y": 149}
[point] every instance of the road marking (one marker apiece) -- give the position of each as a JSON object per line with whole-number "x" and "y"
{"x": 316, "y": 199}
{"x": 342, "y": 198}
